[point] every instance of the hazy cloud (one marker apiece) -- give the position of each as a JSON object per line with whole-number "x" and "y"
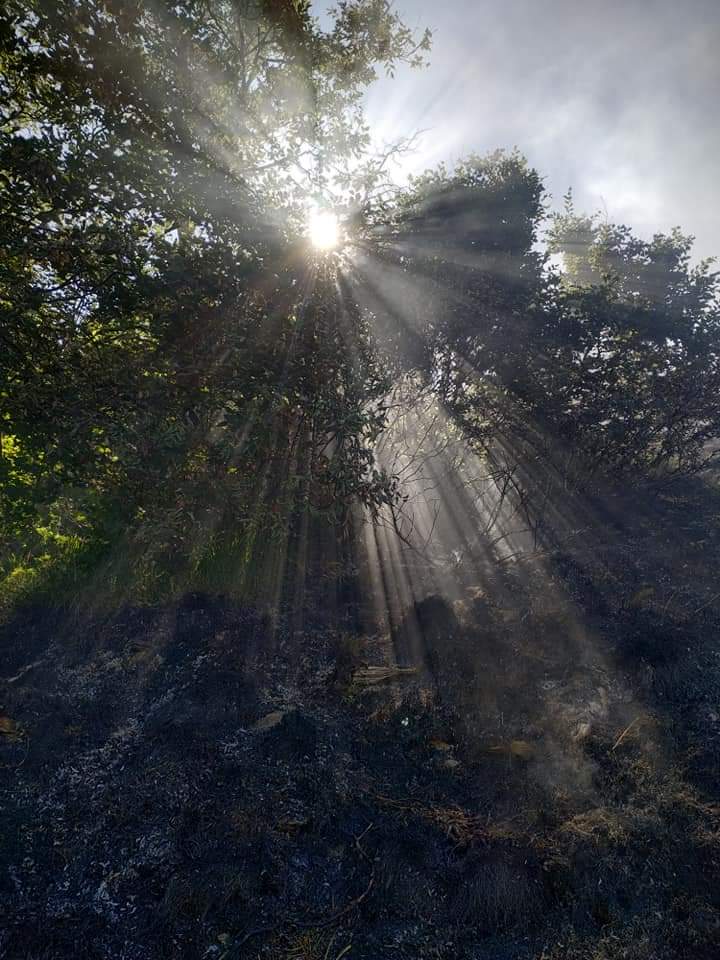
{"x": 618, "y": 99}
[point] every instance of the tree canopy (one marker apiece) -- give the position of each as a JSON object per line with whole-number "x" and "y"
{"x": 179, "y": 369}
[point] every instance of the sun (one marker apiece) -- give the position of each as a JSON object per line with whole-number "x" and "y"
{"x": 324, "y": 229}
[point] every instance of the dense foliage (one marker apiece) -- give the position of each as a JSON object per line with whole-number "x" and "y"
{"x": 617, "y": 357}
{"x": 168, "y": 345}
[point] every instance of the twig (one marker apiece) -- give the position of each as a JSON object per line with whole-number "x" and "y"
{"x": 346, "y": 909}
{"x": 625, "y": 732}
{"x": 358, "y": 839}
{"x": 21, "y": 674}
{"x": 253, "y": 933}
{"x": 706, "y": 604}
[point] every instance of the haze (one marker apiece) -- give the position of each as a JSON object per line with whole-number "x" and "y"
{"x": 617, "y": 100}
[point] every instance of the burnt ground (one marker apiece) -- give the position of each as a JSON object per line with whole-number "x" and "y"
{"x": 199, "y": 780}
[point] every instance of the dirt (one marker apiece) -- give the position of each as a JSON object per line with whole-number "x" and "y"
{"x": 200, "y": 780}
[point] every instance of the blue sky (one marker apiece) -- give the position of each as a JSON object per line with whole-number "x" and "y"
{"x": 619, "y": 99}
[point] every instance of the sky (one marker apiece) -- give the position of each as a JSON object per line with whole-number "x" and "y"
{"x": 618, "y": 99}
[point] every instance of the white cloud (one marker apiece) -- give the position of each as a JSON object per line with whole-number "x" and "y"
{"x": 618, "y": 100}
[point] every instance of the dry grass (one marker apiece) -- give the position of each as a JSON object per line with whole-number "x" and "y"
{"x": 462, "y": 828}
{"x": 369, "y": 676}
{"x": 312, "y": 944}
{"x": 602, "y": 825}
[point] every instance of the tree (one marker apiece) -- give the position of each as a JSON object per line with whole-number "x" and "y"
{"x": 616, "y": 357}
{"x": 165, "y": 339}
{"x": 635, "y": 348}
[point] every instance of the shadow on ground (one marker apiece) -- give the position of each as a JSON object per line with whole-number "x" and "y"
{"x": 539, "y": 781}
